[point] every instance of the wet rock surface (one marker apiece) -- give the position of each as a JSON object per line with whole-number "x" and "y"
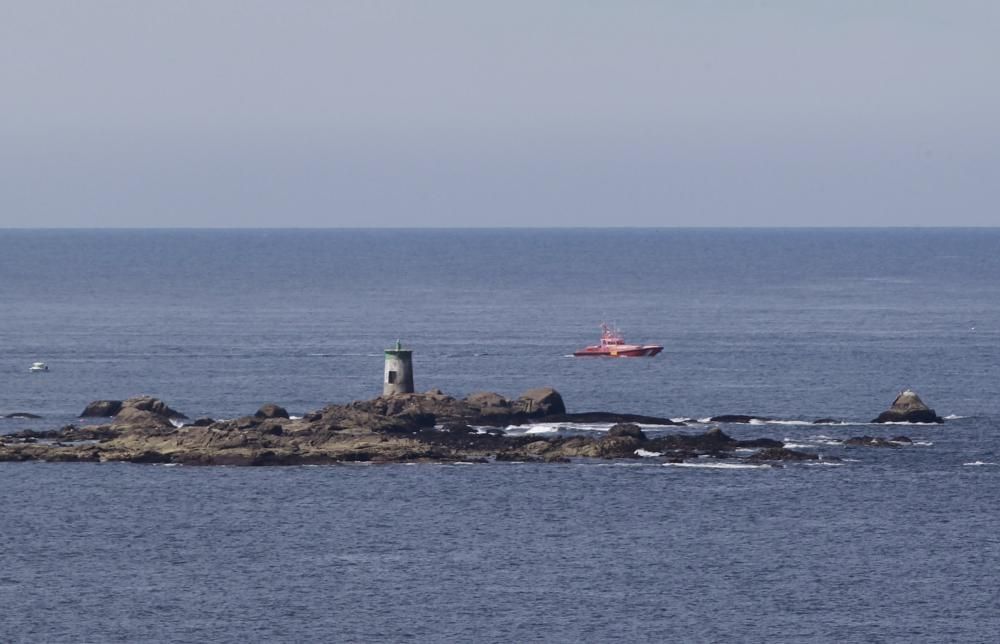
{"x": 401, "y": 428}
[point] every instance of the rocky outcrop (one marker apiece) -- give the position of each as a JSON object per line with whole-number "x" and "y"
{"x": 145, "y": 414}
{"x": 628, "y": 430}
{"x": 133, "y": 418}
{"x": 400, "y": 428}
{"x": 152, "y": 405}
{"x": 101, "y": 409}
{"x": 110, "y": 408}
{"x": 270, "y": 410}
{"x": 908, "y": 408}
{"x": 781, "y": 454}
{"x": 545, "y": 401}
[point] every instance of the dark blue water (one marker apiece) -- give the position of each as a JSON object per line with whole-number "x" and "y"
{"x": 891, "y": 545}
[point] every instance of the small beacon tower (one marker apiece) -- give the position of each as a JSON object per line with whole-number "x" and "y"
{"x": 398, "y": 371}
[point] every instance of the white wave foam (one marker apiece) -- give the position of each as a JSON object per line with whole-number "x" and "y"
{"x": 290, "y": 417}
{"x": 954, "y": 417}
{"x": 720, "y": 466}
{"x": 797, "y": 445}
{"x": 903, "y": 422}
{"x": 176, "y": 423}
{"x": 980, "y": 463}
{"x": 537, "y": 429}
{"x": 647, "y": 454}
{"x": 707, "y": 419}
{"x": 549, "y": 428}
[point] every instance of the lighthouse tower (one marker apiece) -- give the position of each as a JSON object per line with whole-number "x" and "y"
{"x": 398, "y": 371}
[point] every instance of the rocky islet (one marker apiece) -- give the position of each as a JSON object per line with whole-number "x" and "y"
{"x": 429, "y": 427}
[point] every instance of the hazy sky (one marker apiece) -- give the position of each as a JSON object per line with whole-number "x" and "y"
{"x": 293, "y": 113}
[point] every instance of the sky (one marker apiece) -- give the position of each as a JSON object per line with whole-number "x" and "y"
{"x": 246, "y": 113}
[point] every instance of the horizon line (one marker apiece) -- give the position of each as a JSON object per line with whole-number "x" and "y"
{"x": 489, "y": 228}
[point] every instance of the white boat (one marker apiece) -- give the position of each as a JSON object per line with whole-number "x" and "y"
{"x": 38, "y": 366}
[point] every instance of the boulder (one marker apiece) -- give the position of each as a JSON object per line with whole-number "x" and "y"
{"x": 626, "y": 430}
{"x": 101, "y": 409}
{"x": 487, "y": 399}
{"x": 270, "y": 410}
{"x": 544, "y": 401}
{"x": 152, "y": 405}
{"x": 133, "y": 418}
{"x": 908, "y": 408}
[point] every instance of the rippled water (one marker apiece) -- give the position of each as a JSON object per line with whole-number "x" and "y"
{"x": 893, "y": 544}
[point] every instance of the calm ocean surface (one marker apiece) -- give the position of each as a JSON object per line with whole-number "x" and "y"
{"x": 893, "y": 545}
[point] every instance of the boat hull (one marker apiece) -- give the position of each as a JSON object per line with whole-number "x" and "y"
{"x": 646, "y": 351}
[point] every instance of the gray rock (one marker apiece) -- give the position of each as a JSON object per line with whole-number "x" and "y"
{"x": 908, "y": 408}
{"x": 544, "y": 401}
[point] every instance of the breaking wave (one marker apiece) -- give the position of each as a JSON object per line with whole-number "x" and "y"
{"x": 977, "y": 463}
{"x": 720, "y": 466}
{"x": 553, "y": 428}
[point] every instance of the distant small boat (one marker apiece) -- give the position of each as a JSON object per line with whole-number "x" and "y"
{"x": 38, "y": 366}
{"x": 614, "y": 346}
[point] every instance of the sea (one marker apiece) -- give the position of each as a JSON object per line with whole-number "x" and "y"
{"x": 893, "y": 544}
